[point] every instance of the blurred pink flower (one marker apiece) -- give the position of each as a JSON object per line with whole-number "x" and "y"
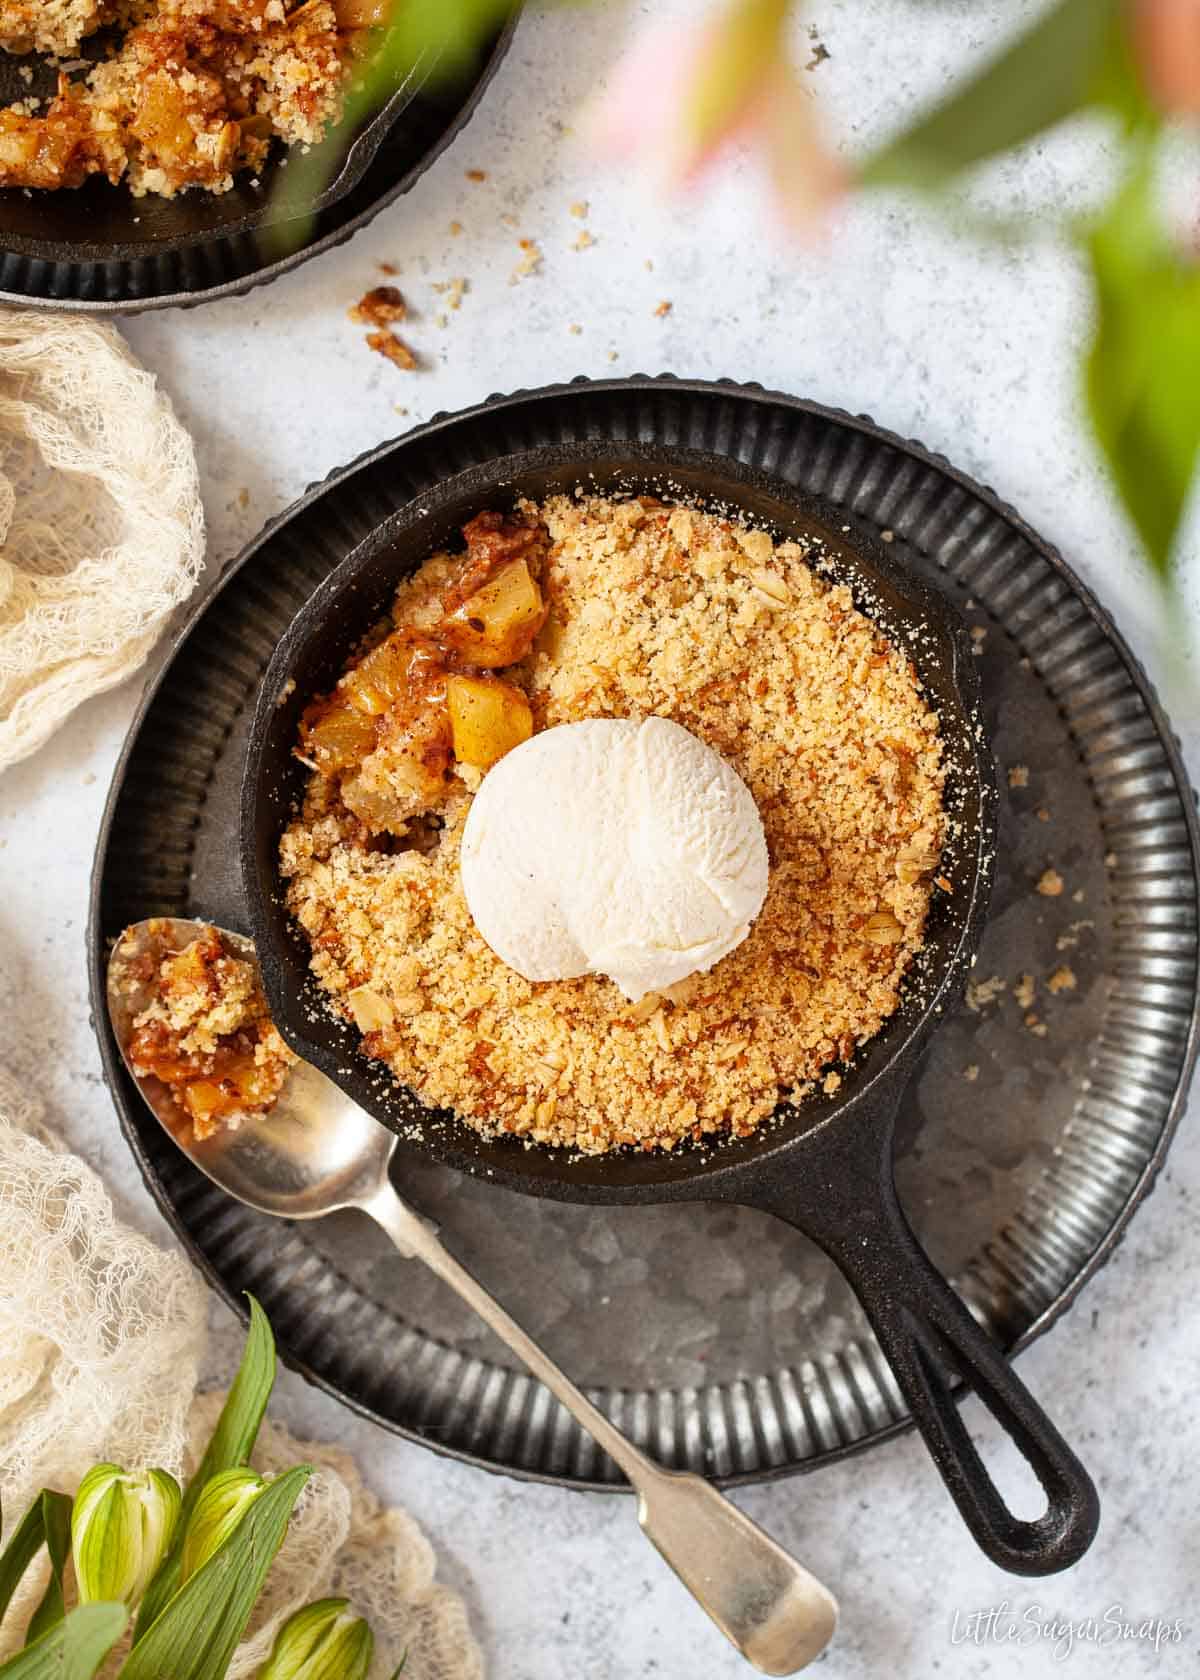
{"x": 1167, "y": 37}
{"x": 680, "y": 101}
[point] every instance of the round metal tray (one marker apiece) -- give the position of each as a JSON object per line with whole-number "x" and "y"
{"x": 718, "y": 1338}
{"x": 58, "y": 250}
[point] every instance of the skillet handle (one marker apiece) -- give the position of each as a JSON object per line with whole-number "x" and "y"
{"x": 929, "y": 1337}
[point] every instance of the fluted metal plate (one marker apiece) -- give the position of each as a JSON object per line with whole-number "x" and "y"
{"x": 64, "y": 259}
{"x": 717, "y": 1337}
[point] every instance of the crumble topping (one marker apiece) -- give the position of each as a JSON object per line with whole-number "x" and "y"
{"x": 390, "y": 344}
{"x": 207, "y": 1034}
{"x": 667, "y": 611}
{"x": 379, "y": 307}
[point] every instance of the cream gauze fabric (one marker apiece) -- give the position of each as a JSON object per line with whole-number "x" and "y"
{"x": 103, "y": 1335}
{"x": 101, "y": 525}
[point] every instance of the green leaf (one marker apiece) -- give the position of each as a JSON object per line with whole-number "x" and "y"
{"x": 1143, "y": 373}
{"x": 23, "y": 1546}
{"x": 1065, "y": 61}
{"x": 73, "y": 1649}
{"x": 91, "y": 1631}
{"x": 237, "y": 1428}
{"x": 197, "y": 1633}
{"x": 56, "y": 1526}
{"x": 229, "y": 1447}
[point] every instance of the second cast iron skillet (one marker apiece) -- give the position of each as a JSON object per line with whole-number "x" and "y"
{"x": 824, "y": 1165}
{"x": 100, "y": 222}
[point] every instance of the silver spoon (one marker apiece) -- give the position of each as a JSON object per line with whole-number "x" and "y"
{"x": 317, "y": 1152}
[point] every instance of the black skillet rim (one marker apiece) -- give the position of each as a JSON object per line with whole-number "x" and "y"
{"x": 35, "y": 283}
{"x": 755, "y": 393}
{"x": 446, "y": 1139}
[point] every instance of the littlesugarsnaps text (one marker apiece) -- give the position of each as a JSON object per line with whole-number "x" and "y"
{"x": 1036, "y": 1624}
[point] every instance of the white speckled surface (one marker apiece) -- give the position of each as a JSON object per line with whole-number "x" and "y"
{"x": 971, "y": 350}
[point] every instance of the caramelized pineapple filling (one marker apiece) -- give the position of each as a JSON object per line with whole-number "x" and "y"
{"x": 425, "y": 701}
{"x": 207, "y": 1035}
{"x": 194, "y": 92}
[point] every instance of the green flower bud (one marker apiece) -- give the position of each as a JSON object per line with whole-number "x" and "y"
{"x": 122, "y": 1526}
{"x": 324, "y": 1641}
{"x": 220, "y": 1508}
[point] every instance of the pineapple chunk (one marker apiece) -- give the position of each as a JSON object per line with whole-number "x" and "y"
{"x": 497, "y": 625}
{"x": 336, "y": 738}
{"x": 161, "y": 123}
{"x": 487, "y": 718}
{"x": 204, "y": 1098}
{"x": 381, "y": 678}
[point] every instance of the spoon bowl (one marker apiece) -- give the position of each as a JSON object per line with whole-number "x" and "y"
{"x": 315, "y": 1152}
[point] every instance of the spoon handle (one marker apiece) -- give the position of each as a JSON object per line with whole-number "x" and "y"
{"x": 766, "y": 1604}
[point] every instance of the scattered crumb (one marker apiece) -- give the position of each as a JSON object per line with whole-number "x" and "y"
{"x": 89, "y": 778}
{"x": 1024, "y": 991}
{"x": 243, "y": 497}
{"x": 399, "y": 408}
{"x": 379, "y": 307}
{"x": 887, "y": 536}
{"x": 476, "y": 174}
{"x": 978, "y": 637}
{"x": 1068, "y": 941}
{"x": 584, "y": 240}
{"x": 455, "y": 229}
{"x": 1026, "y": 664}
{"x": 575, "y": 327}
{"x": 1018, "y": 776}
{"x": 389, "y": 344}
{"x": 1037, "y": 1027}
{"x": 452, "y": 291}
{"x": 971, "y": 1074}
{"x": 509, "y": 220}
{"x": 387, "y": 268}
{"x": 942, "y": 882}
{"x": 1062, "y": 980}
{"x": 1050, "y": 884}
{"x": 831, "y": 1083}
{"x": 649, "y": 265}
{"x": 1078, "y": 896}
{"x": 820, "y": 53}
{"x": 980, "y": 993}
{"x": 664, "y": 308}
{"x": 579, "y": 209}
{"x": 612, "y": 355}
{"x": 531, "y": 261}
{"x": 1110, "y": 860}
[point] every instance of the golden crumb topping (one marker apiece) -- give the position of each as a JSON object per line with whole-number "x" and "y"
{"x": 666, "y": 611}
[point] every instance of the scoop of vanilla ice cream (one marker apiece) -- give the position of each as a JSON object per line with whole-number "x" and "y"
{"x": 614, "y": 847}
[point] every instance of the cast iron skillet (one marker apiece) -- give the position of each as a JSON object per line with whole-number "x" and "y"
{"x": 99, "y": 222}
{"x": 825, "y": 1166}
